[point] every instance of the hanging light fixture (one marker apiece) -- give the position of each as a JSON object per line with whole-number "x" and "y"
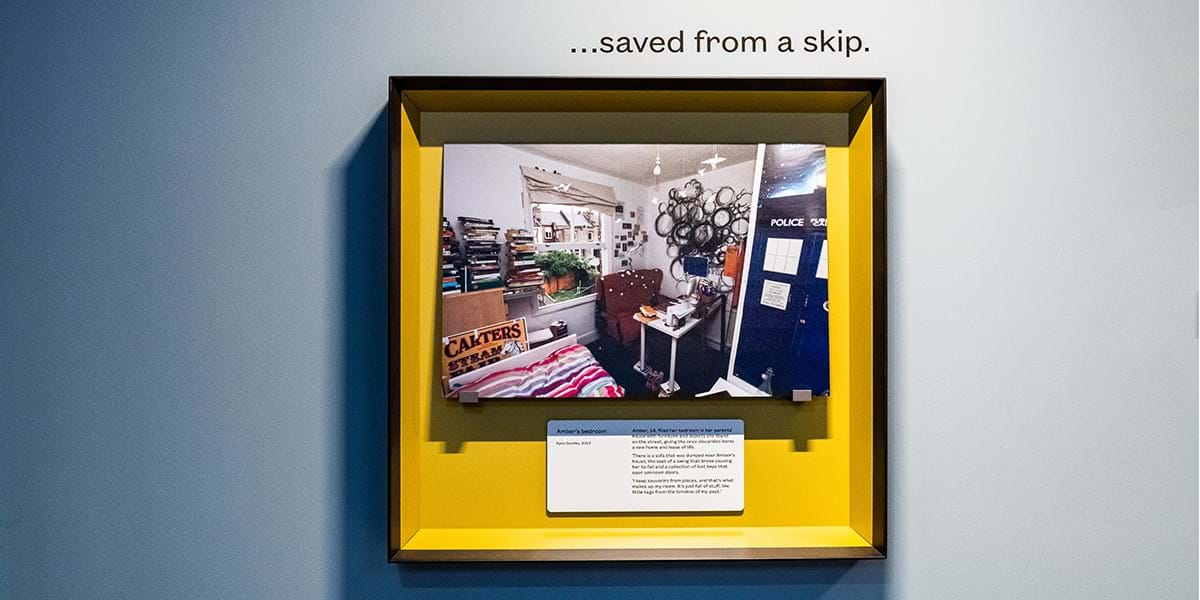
{"x": 657, "y": 172}
{"x": 715, "y": 160}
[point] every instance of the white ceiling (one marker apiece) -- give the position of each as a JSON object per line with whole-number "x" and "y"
{"x": 635, "y": 162}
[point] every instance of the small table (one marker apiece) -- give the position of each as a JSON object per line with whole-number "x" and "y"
{"x": 659, "y": 324}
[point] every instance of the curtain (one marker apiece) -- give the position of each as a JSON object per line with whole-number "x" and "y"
{"x": 544, "y": 186}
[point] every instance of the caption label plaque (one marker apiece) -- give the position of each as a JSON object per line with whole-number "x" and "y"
{"x": 645, "y": 466}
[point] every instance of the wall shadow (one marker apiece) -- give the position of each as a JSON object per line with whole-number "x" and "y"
{"x": 362, "y": 555}
{"x": 364, "y": 571}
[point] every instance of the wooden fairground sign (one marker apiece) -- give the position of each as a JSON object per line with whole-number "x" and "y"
{"x": 464, "y": 352}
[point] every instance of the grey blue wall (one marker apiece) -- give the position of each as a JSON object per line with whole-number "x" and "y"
{"x": 192, "y": 307}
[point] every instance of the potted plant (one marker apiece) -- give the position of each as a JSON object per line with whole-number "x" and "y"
{"x": 563, "y": 270}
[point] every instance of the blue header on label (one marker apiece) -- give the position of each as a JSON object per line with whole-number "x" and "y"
{"x": 654, "y": 427}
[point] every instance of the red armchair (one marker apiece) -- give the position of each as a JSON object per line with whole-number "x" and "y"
{"x": 618, "y": 296}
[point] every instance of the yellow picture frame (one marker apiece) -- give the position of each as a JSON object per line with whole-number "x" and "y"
{"x": 467, "y": 482}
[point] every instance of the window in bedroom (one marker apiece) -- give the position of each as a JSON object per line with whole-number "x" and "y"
{"x": 570, "y": 243}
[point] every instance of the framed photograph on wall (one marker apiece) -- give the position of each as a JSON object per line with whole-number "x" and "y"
{"x": 707, "y": 291}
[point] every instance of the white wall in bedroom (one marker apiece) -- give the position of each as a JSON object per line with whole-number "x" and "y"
{"x": 484, "y": 180}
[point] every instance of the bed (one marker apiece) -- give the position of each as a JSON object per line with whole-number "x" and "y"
{"x": 561, "y": 369}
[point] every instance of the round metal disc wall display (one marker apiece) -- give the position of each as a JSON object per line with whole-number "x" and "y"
{"x": 716, "y": 260}
{"x": 721, "y": 217}
{"x": 696, "y": 221}
{"x": 726, "y": 196}
{"x": 740, "y": 226}
{"x": 679, "y": 210}
{"x": 676, "y": 269}
{"x": 702, "y": 234}
{"x": 663, "y": 225}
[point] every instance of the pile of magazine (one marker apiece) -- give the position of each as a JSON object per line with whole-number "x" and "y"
{"x": 452, "y": 261}
{"x": 523, "y": 272}
{"x": 482, "y": 253}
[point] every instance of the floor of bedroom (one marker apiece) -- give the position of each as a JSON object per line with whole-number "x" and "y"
{"x": 697, "y": 365}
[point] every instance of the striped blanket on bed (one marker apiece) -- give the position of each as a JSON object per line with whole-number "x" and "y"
{"x": 570, "y": 372}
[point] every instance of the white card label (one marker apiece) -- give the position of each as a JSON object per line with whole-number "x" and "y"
{"x": 775, "y": 294}
{"x": 645, "y": 466}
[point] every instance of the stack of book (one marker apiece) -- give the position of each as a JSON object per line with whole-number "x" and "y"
{"x": 452, "y": 260}
{"x": 482, "y": 253}
{"x": 523, "y": 272}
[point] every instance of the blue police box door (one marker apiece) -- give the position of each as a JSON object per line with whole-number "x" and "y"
{"x": 783, "y": 335}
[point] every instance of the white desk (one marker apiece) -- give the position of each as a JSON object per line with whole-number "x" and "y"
{"x": 669, "y": 386}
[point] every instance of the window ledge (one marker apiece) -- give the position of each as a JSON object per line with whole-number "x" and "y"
{"x": 553, "y": 308}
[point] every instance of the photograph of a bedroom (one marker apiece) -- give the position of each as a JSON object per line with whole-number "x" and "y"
{"x": 615, "y": 270}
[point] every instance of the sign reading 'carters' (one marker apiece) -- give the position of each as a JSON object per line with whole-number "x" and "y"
{"x": 470, "y": 350}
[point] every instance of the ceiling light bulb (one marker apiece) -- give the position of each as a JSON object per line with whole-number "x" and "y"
{"x": 658, "y": 166}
